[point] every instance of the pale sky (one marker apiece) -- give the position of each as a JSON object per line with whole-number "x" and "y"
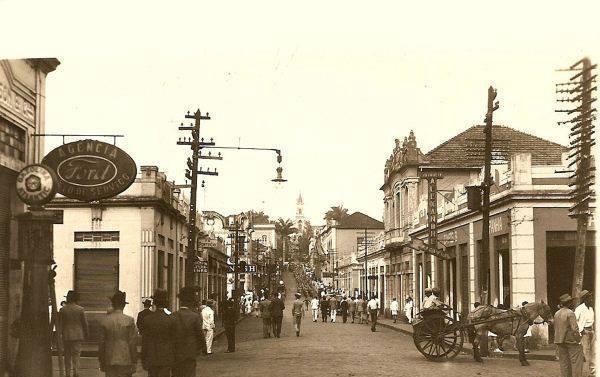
{"x": 329, "y": 83}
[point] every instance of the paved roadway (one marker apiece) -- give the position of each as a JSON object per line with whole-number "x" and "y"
{"x": 338, "y": 349}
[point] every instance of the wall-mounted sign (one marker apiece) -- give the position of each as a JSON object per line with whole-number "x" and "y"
{"x": 200, "y": 266}
{"x": 36, "y": 185}
{"x": 91, "y": 170}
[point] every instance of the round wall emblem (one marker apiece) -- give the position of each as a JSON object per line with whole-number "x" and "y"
{"x": 91, "y": 170}
{"x": 36, "y": 184}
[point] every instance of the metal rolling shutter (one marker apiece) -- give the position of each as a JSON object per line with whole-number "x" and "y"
{"x": 96, "y": 279}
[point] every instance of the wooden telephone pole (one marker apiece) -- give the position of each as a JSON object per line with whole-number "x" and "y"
{"x": 579, "y": 91}
{"x": 196, "y": 144}
{"x": 487, "y": 182}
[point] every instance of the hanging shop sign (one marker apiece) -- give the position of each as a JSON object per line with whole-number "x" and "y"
{"x": 420, "y": 245}
{"x": 36, "y": 185}
{"x": 90, "y": 170}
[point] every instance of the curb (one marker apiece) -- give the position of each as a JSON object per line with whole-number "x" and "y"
{"x": 469, "y": 350}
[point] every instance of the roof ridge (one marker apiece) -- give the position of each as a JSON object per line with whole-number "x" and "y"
{"x": 449, "y": 140}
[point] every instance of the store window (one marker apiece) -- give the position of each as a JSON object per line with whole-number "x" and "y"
{"x": 12, "y": 140}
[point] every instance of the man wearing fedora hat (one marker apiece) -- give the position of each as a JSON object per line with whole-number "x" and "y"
{"x": 117, "y": 348}
{"x": 189, "y": 338}
{"x": 158, "y": 339}
{"x": 74, "y": 331}
{"x": 567, "y": 338}
{"x": 141, "y": 315}
{"x": 584, "y": 313}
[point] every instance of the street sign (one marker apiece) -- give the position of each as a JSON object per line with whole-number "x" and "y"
{"x": 90, "y": 170}
{"x": 249, "y": 269}
{"x": 200, "y": 266}
{"x": 208, "y": 243}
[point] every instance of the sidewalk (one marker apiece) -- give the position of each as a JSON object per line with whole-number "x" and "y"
{"x": 543, "y": 354}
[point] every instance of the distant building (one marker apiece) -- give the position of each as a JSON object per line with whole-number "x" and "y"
{"x": 342, "y": 243}
{"x": 22, "y": 114}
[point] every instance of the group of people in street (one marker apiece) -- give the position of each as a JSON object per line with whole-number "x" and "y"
{"x": 171, "y": 341}
{"x": 357, "y": 309}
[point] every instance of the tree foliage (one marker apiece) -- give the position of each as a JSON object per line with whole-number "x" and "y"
{"x": 258, "y": 217}
{"x": 337, "y": 213}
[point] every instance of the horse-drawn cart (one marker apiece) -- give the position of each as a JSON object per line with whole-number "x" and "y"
{"x": 437, "y": 335}
{"x": 440, "y": 337}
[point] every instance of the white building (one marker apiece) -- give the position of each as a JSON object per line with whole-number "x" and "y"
{"x": 134, "y": 242}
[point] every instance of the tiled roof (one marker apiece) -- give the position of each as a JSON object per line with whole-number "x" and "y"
{"x": 359, "y": 220}
{"x": 455, "y": 152}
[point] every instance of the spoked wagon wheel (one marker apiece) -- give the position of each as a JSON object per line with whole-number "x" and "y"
{"x": 438, "y": 337}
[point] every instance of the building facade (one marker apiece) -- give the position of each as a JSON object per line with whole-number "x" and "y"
{"x": 342, "y": 243}
{"x": 22, "y": 114}
{"x": 531, "y": 235}
{"x": 135, "y": 242}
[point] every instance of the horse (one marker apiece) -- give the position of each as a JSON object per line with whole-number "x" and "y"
{"x": 504, "y": 323}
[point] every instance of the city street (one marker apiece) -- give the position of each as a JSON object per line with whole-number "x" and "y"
{"x": 338, "y": 349}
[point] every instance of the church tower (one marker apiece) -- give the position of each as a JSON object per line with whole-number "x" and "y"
{"x": 300, "y": 219}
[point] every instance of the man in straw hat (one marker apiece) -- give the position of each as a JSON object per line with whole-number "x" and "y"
{"x": 158, "y": 338}
{"x": 584, "y": 314}
{"x": 117, "y": 348}
{"x": 567, "y": 338}
{"x": 189, "y": 338}
{"x": 74, "y": 331}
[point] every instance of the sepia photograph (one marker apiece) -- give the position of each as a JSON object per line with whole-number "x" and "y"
{"x": 318, "y": 188}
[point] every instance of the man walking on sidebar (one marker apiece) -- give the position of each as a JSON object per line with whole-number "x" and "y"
{"x": 189, "y": 338}
{"x": 74, "y": 331}
{"x": 277, "y": 308}
{"x": 230, "y": 313}
{"x": 584, "y": 314}
{"x": 117, "y": 348}
{"x": 373, "y": 307}
{"x": 297, "y": 313}
{"x": 208, "y": 326}
{"x": 567, "y": 338}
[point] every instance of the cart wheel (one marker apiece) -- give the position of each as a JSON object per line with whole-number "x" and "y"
{"x": 438, "y": 338}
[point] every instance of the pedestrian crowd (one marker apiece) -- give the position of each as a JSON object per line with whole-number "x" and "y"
{"x": 171, "y": 341}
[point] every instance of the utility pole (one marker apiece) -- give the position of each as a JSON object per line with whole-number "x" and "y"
{"x": 366, "y": 255}
{"x": 487, "y": 183}
{"x": 579, "y": 91}
{"x": 196, "y": 143}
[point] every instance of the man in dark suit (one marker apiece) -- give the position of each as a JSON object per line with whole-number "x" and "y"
{"x": 189, "y": 338}
{"x": 158, "y": 339}
{"x": 277, "y": 308}
{"x": 117, "y": 349}
{"x": 229, "y": 317}
{"x": 141, "y": 315}
{"x": 74, "y": 331}
{"x": 567, "y": 339}
{"x": 265, "y": 313}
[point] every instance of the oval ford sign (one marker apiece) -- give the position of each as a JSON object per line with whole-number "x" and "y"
{"x": 91, "y": 170}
